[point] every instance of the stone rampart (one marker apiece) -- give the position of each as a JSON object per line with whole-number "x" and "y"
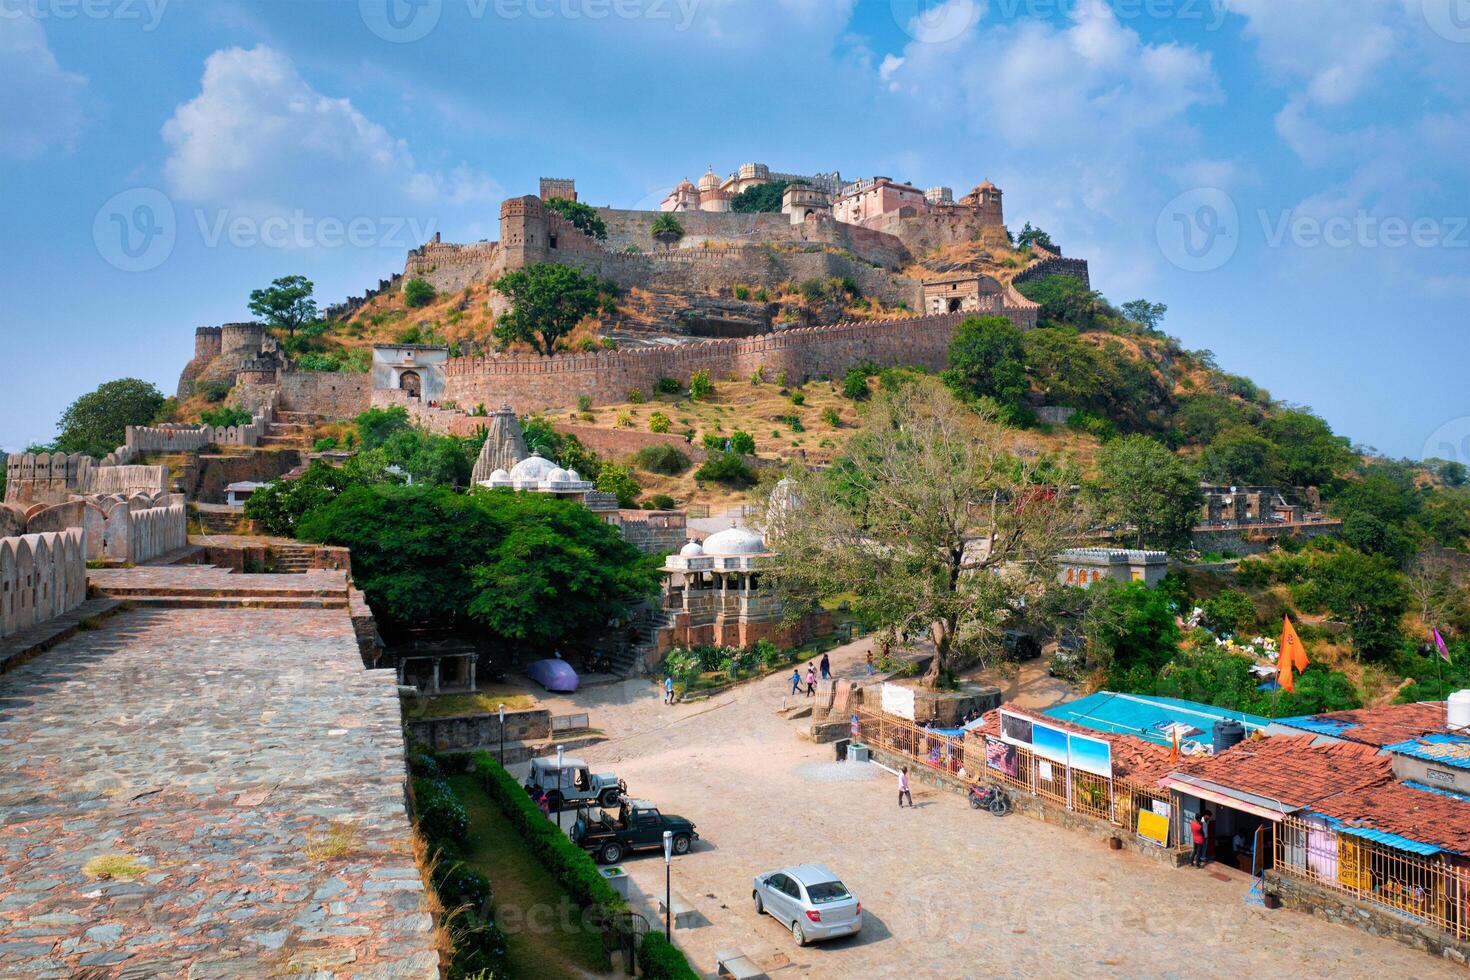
{"x": 45, "y": 477}
{"x": 330, "y": 394}
{"x": 532, "y": 383}
{"x": 41, "y": 576}
{"x": 1055, "y": 265}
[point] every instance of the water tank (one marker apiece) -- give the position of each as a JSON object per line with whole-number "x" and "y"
{"x": 1228, "y": 733}
{"x": 1459, "y": 711}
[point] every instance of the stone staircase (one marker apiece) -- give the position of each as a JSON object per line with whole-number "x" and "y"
{"x": 292, "y": 559}
{"x": 629, "y": 658}
{"x": 215, "y": 520}
{"x": 286, "y": 435}
{"x": 209, "y": 587}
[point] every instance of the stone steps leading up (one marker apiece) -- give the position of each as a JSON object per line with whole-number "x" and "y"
{"x": 214, "y": 592}
{"x": 234, "y": 602}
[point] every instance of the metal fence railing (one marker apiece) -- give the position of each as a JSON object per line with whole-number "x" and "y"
{"x": 980, "y": 759}
{"x": 1425, "y": 888}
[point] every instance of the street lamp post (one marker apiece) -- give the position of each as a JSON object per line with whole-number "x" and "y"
{"x": 558, "y": 787}
{"x": 502, "y": 734}
{"x": 668, "y": 885}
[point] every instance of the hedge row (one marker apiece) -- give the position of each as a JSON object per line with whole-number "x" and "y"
{"x": 569, "y": 864}
{"x": 658, "y": 959}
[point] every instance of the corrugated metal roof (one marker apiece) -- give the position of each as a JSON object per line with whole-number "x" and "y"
{"x": 1381, "y": 836}
{"x": 1149, "y": 717}
{"x": 1442, "y": 748}
{"x": 1312, "y": 723}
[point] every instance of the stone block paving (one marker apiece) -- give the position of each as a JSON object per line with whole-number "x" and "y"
{"x": 185, "y": 579}
{"x": 243, "y": 776}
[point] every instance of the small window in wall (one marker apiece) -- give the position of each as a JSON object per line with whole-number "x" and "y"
{"x": 553, "y": 241}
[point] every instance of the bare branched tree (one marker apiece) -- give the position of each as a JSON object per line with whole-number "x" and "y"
{"x": 927, "y": 522}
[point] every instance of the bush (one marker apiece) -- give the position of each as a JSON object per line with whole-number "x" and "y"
{"x": 442, "y": 817}
{"x": 658, "y": 959}
{"x": 573, "y": 869}
{"x": 1230, "y": 611}
{"x": 830, "y": 416}
{"x": 618, "y": 480}
{"x": 324, "y": 444}
{"x": 668, "y": 386}
{"x": 409, "y": 335}
{"x": 659, "y": 422}
{"x": 459, "y": 885}
{"x": 726, "y": 468}
{"x": 318, "y": 362}
{"x": 700, "y": 386}
{"x": 742, "y": 442}
{"x": 662, "y": 501}
{"x": 855, "y": 384}
{"x": 636, "y": 396}
{"x": 584, "y": 403}
{"x": 223, "y": 418}
{"x": 663, "y": 458}
{"x": 792, "y": 421}
{"x": 797, "y": 398}
{"x": 417, "y": 292}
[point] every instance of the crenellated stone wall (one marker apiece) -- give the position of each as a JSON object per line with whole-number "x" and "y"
{"x": 330, "y": 394}
{"x": 534, "y": 383}
{"x": 41, "y": 576}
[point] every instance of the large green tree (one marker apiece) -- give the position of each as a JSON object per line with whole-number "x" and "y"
{"x": 1366, "y": 592}
{"x": 97, "y": 422}
{"x": 1065, "y": 300}
{"x": 1238, "y": 457}
{"x": 926, "y": 523}
{"x": 1147, "y": 486}
{"x": 987, "y": 359}
{"x": 760, "y": 198}
{"x": 529, "y": 568}
{"x": 285, "y": 304}
{"x": 1307, "y": 453}
{"x": 547, "y": 301}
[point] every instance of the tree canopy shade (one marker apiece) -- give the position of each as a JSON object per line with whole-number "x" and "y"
{"x": 1308, "y": 453}
{"x": 1034, "y": 236}
{"x": 285, "y": 304}
{"x": 529, "y": 568}
{"x": 1147, "y": 486}
{"x": 547, "y": 301}
{"x": 97, "y": 422}
{"x": 987, "y": 359}
{"x": 1145, "y": 314}
{"x": 1067, "y": 301}
{"x": 929, "y": 522}
{"x": 581, "y": 216}
{"x": 760, "y": 198}
{"x": 417, "y": 292}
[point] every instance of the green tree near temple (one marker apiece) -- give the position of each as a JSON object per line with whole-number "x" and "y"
{"x": 582, "y": 217}
{"x": 547, "y": 301}
{"x": 285, "y": 304}
{"x": 1147, "y": 486}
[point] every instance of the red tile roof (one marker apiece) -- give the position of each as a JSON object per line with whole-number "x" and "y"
{"x": 1134, "y": 758}
{"x": 1420, "y": 815}
{"x": 1387, "y": 723}
{"x": 1290, "y": 770}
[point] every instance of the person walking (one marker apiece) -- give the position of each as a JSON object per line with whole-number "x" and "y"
{"x": 903, "y": 788}
{"x": 826, "y": 667}
{"x": 811, "y": 680}
{"x": 870, "y": 663}
{"x": 795, "y": 680}
{"x": 668, "y": 689}
{"x": 1197, "y": 836}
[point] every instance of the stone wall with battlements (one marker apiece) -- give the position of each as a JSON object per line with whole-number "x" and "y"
{"x": 1055, "y": 265}
{"x": 532, "y": 383}
{"x": 41, "y": 577}
{"x": 330, "y": 394}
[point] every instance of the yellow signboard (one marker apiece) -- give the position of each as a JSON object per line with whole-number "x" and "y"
{"x": 1153, "y": 827}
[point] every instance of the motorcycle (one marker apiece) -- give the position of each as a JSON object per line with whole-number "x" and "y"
{"x": 991, "y": 798}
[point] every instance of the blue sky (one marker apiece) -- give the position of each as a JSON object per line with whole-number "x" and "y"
{"x": 1292, "y": 177}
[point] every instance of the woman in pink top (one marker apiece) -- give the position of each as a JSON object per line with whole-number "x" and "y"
{"x": 903, "y": 788}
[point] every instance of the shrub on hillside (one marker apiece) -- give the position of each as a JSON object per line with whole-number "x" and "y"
{"x": 668, "y": 386}
{"x": 223, "y": 418}
{"x": 417, "y": 292}
{"x": 661, "y": 501}
{"x": 855, "y": 384}
{"x": 700, "y": 385}
{"x": 659, "y": 422}
{"x": 663, "y": 458}
{"x": 726, "y": 468}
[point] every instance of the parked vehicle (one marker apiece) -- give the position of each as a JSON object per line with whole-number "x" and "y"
{"x": 991, "y": 798}
{"x": 637, "y": 825}
{"x": 809, "y": 900}
{"x": 554, "y": 674}
{"x": 574, "y": 784}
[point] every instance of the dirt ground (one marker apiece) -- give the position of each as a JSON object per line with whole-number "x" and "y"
{"x": 946, "y": 891}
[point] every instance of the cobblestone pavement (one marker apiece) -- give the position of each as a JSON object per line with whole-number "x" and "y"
{"x": 240, "y": 773}
{"x": 946, "y": 891}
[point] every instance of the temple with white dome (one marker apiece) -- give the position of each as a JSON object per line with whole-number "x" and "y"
{"x": 716, "y": 592}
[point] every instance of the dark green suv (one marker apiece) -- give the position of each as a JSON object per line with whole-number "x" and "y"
{"x": 635, "y": 826}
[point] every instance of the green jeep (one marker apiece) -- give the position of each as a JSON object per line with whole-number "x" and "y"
{"x": 636, "y": 826}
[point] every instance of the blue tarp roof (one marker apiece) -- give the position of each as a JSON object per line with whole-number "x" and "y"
{"x": 1313, "y": 723}
{"x": 1149, "y": 717}
{"x": 1381, "y": 837}
{"x": 1442, "y": 748}
{"x": 1436, "y": 789}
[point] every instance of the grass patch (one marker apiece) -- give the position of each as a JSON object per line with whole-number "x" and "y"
{"x": 340, "y": 840}
{"x": 105, "y": 866}
{"x": 479, "y": 703}
{"x": 527, "y": 897}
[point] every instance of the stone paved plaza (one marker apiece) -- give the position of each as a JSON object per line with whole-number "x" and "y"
{"x": 241, "y": 777}
{"x": 947, "y": 891}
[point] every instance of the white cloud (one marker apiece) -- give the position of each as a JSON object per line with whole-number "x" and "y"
{"x": 260, "y": 139}
{"x": 1335, "y": 49}
{"x": 41, "y": 106}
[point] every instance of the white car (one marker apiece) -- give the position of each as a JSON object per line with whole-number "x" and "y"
{"x": 809, "y": 900}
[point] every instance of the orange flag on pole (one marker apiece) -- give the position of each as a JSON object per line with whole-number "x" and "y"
{"x": 1292, "y": 655}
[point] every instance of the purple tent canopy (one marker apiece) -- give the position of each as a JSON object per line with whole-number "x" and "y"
{"x": 554, "y": 675}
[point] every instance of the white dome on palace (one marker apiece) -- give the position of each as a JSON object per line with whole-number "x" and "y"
{"x": 559, "y": 475}
{"x": 574, "y": 476}
{"x": 734, "y": 541}
{"x": 691, "y": 550}
{"x": 500, "y": 476}
{"x": 709, "y": 182}
{"x": 532, "y": 468}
